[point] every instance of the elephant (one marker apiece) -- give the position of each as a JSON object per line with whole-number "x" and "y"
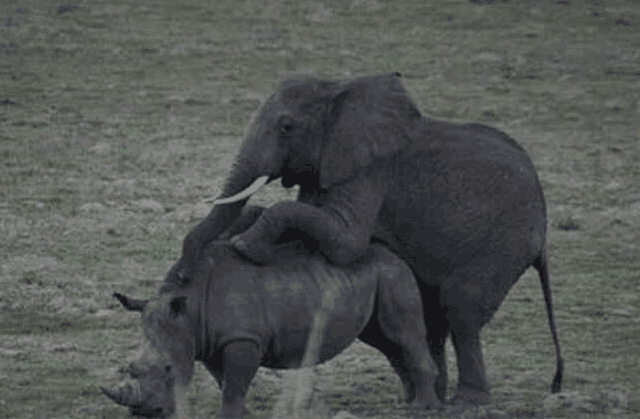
{"x": 460, "y": 203}
{"x": 235, "y": 316}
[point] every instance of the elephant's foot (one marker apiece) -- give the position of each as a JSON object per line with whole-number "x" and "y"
{"x": 466, "y": 395}
{"x": 256, "y": 251}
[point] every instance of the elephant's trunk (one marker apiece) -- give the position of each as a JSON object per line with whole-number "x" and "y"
{"x": 127, "y": 393}
{"x": 221, "y": 216}
{"x": 254, "y": 167}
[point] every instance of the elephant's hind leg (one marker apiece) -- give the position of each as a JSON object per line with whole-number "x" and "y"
{"x": 473, "y": 387}
{"x": 471, "y": 296}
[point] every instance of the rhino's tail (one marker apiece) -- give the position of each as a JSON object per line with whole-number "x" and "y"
{"x": 541, "y": 266}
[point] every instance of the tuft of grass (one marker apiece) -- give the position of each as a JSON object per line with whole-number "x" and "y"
{"x": 568, "y": 224}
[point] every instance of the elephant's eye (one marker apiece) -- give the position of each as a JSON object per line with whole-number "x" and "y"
{"x": 286, "y": 128}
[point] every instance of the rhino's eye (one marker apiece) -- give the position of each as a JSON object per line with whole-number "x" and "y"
{"x": 168, "y": 369}
{"x": 285, "y": 129}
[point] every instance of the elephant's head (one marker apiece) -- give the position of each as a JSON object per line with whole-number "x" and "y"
{"x": 314, "y": 133}
{"x": 319, "y": 133}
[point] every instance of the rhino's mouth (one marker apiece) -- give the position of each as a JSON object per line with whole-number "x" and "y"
{"x": 143, "y": 412}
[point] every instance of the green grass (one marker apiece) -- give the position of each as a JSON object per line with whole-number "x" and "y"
{"x": 117, "y": 118}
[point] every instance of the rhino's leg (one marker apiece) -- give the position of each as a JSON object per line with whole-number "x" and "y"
{"x": 374, "y": 336}
{"x": 397, "y": 329}
{"x": 240, "y": 362}
{"x": 214, "y": 366}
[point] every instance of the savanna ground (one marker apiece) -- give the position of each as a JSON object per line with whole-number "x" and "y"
{"x": 117, "y": 118}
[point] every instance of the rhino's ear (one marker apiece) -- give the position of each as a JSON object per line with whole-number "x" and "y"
{"x": 130, "y": 304}
{"x": 178, "y": 305}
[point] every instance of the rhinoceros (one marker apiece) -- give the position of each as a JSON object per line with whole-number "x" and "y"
{"x": 234, "y": 317}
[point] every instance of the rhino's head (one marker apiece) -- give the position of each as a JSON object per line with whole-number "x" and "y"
{"x": 166, "y": 358}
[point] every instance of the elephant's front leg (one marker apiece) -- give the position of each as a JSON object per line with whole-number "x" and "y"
{"x": 342, "y": 234}
{"x": 341, "y": 220}
{"x": 335, "y": 240}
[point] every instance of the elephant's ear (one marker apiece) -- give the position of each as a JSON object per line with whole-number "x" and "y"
{"x": 369, "y": 118}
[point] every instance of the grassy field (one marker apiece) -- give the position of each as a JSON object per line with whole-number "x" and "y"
{"x": 118, "y": 117}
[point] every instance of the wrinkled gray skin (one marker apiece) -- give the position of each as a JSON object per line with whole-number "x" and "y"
{"x": 461, "y": 204}
{"x": 235, "y": 316}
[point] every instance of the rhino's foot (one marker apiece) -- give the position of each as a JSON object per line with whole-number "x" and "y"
{"x": 141, "y": 412}
{"x": 256, "y": 251}
{"x": 233, "y": 413}
{"x": 425, "y": 404}
{"x": 467, "y": 396}
{"x": 424, "y": 399}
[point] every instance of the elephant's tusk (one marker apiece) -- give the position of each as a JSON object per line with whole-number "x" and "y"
{"x": 257, "y": 184}
{"x": 127, "y": 393}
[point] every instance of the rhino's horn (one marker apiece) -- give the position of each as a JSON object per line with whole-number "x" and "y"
{"x": 126, "y": 393}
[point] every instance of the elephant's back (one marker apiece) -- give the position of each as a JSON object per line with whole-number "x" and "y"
{"x": 465, "y": 164}
{"x": 449, "y": 145}
{"x": 461, "y": 192}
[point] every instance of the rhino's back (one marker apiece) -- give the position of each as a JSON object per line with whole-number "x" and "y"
{"x": 278, "y": 304}
{"x": 307, "y": 297}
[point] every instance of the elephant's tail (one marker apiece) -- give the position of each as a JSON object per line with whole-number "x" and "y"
{"x": 541, "y": 266}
